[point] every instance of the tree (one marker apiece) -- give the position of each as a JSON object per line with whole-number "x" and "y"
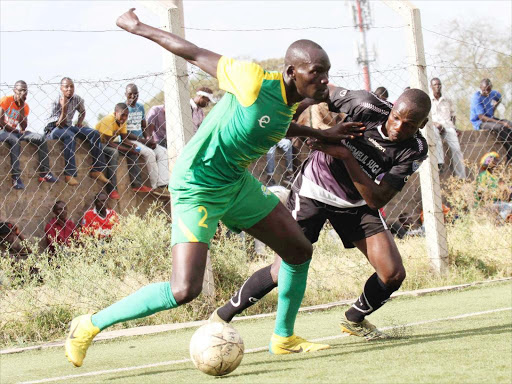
{"x": 471, "y": 52}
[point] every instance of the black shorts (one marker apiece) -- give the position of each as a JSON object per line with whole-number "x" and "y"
{"x": 351, "y": 224}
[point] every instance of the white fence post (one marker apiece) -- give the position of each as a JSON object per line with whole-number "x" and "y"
{"x": 435, "y": 229}
{"x": 178, "y": 115}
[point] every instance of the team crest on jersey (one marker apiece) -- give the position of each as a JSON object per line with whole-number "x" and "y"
{"x": 264, "y": 120}
{"x": 265, "y": 191}
{"x": 415, "y": 165}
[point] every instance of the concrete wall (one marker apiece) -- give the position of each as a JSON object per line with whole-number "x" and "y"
{"x": 31, "y": 208}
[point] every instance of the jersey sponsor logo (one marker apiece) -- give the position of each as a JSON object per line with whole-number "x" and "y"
{"x": 364, "y": 160}
{"x": 377, "y": 145}
{"x": 415, "y": 165}
{"x": 343, "y": 93}
{"x": 265, "y": 191}
{"x": 264, "y": 120}
{"x": 253, "y": 299}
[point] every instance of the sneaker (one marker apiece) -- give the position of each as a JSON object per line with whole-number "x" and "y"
{"x": 270, "y": 182}
{"x": 96, "y": 175}
{"x": 17, "y": 183}
{"x": 363, "y": 329}
{"x": 293, "y": 344}
{"x": 215, "y": 318}
{"x": 70, "y": 180}
{"x": 48, "y": 178}
{"x": 142, "y": 188}
{"x": 81, "y": 333}
{"x": 114, "y": 195}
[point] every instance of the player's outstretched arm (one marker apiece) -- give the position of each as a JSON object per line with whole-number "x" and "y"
{"x": 375, "y": 195}
{"x": 340, "y": 131}
{"x": 202, "y": 58}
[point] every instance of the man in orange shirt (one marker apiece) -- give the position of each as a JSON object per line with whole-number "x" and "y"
{"x": 99, "y": 220}
{"x": 13, "y": 128}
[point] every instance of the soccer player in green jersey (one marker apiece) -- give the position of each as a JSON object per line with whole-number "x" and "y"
{"x": 210, "y": 182}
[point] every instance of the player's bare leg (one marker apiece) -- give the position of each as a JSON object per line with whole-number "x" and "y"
{"x": 189, "y": 261}
{"x": 383, "y": 255}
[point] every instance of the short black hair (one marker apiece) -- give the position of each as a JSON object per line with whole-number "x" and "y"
{"x": 65, "y": 78}
{"x": 20, "y": 82}
{"x": 5, "y": 228}
{"x": 56, "y": 203}
{"x": 486, "y": 82}
{"x": 382, "y": 92}
{"x": 120, "y": 107}
{"x": 433, "y": 79}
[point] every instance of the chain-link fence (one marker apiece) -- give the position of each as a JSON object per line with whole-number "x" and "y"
{"x": 44, "y": 286}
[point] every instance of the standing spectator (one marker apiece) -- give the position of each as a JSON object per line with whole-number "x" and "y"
{"x": 443, "y": 119}
{"x": 14, "y": 112}
{"x": 99, "y": 220}
{"x": 202, "y": 99}
{"x": 110, "y": 128}
{"x": 155, "y": 155}
{"x": 60, "y": 229}
{"x": 483, "y": 105}
{"x": 60, "y": 126}
{"x": 156, "y": 124}
{"x": 382, "y": 93}
{"x": 286, "y": 145}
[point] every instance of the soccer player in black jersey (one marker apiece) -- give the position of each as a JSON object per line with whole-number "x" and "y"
{"x": 346, "y": 184}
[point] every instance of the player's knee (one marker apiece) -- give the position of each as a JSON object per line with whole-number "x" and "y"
{"x": 186, "y": 292}
{"x": 396, "y": 278}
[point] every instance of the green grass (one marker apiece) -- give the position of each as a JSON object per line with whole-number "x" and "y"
{"x": 467, "y": 350}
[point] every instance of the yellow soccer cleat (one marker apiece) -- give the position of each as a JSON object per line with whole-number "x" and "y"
{"x": 280, "y": 345}
{"x": 81, "y": 333}
{"x": 215, "y": 318}
{"x": 363, "y": 329}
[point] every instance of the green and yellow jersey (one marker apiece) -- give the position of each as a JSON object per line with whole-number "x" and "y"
{"x": 252, "y": 116}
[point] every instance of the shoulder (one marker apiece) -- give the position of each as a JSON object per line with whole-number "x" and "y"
{"x": 6, "y": 101}
{"x": 77, "y": 99}
{"x": 418, "y": 146}
{"x": 476, "y": 96}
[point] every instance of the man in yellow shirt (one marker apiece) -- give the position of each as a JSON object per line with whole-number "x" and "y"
{"x": 110, "y": 128}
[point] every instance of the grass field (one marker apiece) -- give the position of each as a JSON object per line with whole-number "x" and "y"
{"x": 441, "y": 338}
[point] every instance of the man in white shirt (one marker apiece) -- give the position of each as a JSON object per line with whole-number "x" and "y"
{"x": 443, "y": 118}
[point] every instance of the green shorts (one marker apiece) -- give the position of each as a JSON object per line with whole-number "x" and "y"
{"x": 196, "y": 211}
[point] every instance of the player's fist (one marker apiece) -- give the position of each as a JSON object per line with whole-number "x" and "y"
{"x": 340, "y": 131}
{"x": 128, "y": 21}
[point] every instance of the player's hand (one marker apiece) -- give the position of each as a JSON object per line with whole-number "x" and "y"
{"x": 340, "y": 131}
{"x": 64, "y": 101}
{"x": 337, "y": 151}
{"x": 128, "y": 21}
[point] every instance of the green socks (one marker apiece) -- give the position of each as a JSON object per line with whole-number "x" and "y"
{"x": 292, "y": 281}
{"x": 150, "y": 299}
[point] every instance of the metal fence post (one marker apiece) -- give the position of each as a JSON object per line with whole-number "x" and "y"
{"x": 435, "y": 229}
{"x": 178, "y": 115}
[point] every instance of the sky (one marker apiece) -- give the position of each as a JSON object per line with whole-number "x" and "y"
{"x": 39, "y": 57}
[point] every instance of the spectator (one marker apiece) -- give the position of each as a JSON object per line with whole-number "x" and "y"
{"x": 100, "y": 220}
{"x": 14, "y": 112}
{"x": 155, "y": 155}
{"x": 11, "y": 241}
{"x": 407, "y": 225}
{"x": 382, "y": 93}
{"x": 156, "y": 124}
{"x": 490, "y": 187}
{"x": 443, "y": 119}
{"x": 202, "y": 99}
{"x": 483, "y": 105}
{"x": 60, "y": 229}
{"x": 110, "y": 128}
{"x": 286, "y": 145}
{"x": 60, "y": 126}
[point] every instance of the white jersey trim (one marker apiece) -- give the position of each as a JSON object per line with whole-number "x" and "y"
{"x": 312, "y": 191}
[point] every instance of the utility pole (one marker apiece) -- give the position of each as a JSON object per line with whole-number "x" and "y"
{"x": 362, "y": 22}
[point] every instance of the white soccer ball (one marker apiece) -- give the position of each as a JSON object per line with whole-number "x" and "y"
{"x": 216, "y": 349}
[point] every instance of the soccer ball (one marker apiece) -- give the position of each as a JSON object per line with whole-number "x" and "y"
{"x": 216, "y": 349}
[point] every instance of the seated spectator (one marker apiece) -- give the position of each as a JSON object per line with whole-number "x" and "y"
{"x": 483, "y": 106}
{"x": 156, "y": 124}
{"x": 491, "y": 188}
{"x": 286, "y": 145}
{"x": 443, "y": 119}
{"x": 202, "y": 99}
{"x": 14, "y": 112}
{"x": 382, "y": 93}
{"x": 407, "y": 225}
{"x": 60, "y": 126}
{"x": 110, "y": 128}
{"x": 154, "y": 154}
{"x": 60, "y": 229}
{"x": 11, "y": 241}
{"x": 100, "y": 220}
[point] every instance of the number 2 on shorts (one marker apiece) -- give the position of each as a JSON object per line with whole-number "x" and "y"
{"x": 201, "y": 222}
